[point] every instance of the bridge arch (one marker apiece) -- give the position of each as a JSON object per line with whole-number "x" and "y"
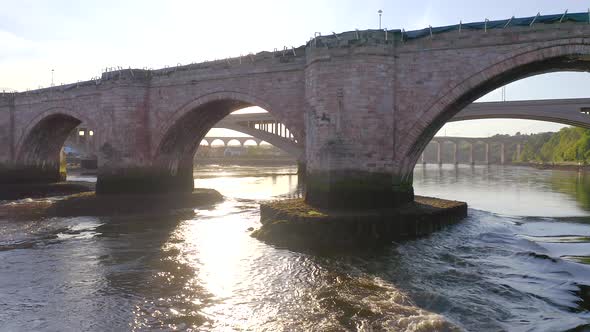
{"x": 58, "y": 114}
{"x": 569, "y": 55}
{"x": 39, "y": 146}
{"x": 181, "y": 135}
{"x": 234, "y": 101}
{"x": 217, "y": 142}
{"x": 251, "y": 142}
{"x": 232, "y": 142}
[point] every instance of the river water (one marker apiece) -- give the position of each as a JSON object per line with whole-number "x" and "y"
{"x": 518, "y": 262}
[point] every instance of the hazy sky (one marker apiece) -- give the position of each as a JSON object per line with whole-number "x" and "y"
{"x": 80, "y": 38}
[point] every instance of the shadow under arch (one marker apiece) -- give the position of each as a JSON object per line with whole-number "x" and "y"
{"x": 182, "y": 134}
{"x": 571, "y": 56}
{"x": 39, "y": 151}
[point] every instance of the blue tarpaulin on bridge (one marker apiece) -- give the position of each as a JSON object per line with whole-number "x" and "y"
{"x": 525, "y": 21}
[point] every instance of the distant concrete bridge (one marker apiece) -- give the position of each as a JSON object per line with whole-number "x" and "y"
{"x": 573, "y": 112}
{"x": 364, "y": 104}
{"x": 265, "y": 127}
{"x": 570, "y": 111}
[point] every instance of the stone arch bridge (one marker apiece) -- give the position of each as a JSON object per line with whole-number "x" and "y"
{"x": 364, "y": 104}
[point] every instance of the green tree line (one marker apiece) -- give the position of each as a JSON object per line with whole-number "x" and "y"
{"x": 570, "y": 144}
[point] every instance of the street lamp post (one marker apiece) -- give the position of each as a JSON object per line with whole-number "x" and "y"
{"x": 52, "y": 77}
{"x": 380, "y": 12}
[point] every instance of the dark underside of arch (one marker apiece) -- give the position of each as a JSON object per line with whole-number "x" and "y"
{"x": 182, "y": 140}
{"x": 39, "y": 157}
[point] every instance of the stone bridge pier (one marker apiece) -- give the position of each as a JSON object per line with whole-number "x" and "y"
{"x": 350, "y": 141}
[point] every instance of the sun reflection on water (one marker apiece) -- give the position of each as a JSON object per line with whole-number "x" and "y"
{"x": 252, "y": 286}
{"x": 216, "y": 277}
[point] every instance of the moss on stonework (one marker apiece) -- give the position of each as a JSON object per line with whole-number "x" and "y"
{"x": 89, "y": 204}
{"x": 295, "y": 224}
{"x": 296, "y": 207}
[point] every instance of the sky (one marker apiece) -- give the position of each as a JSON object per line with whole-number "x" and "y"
{"x": 79, "y": 39}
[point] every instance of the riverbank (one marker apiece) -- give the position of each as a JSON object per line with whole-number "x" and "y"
{"x": 295, "y": 224}
{"x": 37, "y": 190}
{"x": 90, "y": 204}
{"x": 561, "y": 167}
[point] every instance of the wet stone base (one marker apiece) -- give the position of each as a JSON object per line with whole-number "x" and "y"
{"x": 12, "y": 191}
{"x": 295, "y": 224}
{"x": 90, "y": 204}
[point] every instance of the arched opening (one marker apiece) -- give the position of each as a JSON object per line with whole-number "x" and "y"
{"x": 174, "y": 156}
{"x": 259, "y": 124}
{"x": 40, "y": 154}
{"x": 234, "y": 142}
{"x": 81, "y": 149}
{"x": 217, "y": 143}
{"x": 553, "y": 59}
{"x": 177, "y": 150}
{"x": 250, "y": 142}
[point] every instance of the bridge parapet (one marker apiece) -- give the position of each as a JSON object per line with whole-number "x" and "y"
{"x": 460, "y": 35}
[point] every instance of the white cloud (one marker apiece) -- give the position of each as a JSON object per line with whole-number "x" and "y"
{"x": 12, "y": 45}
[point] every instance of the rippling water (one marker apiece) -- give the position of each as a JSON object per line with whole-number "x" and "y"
{"x": 519, "y": 262}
